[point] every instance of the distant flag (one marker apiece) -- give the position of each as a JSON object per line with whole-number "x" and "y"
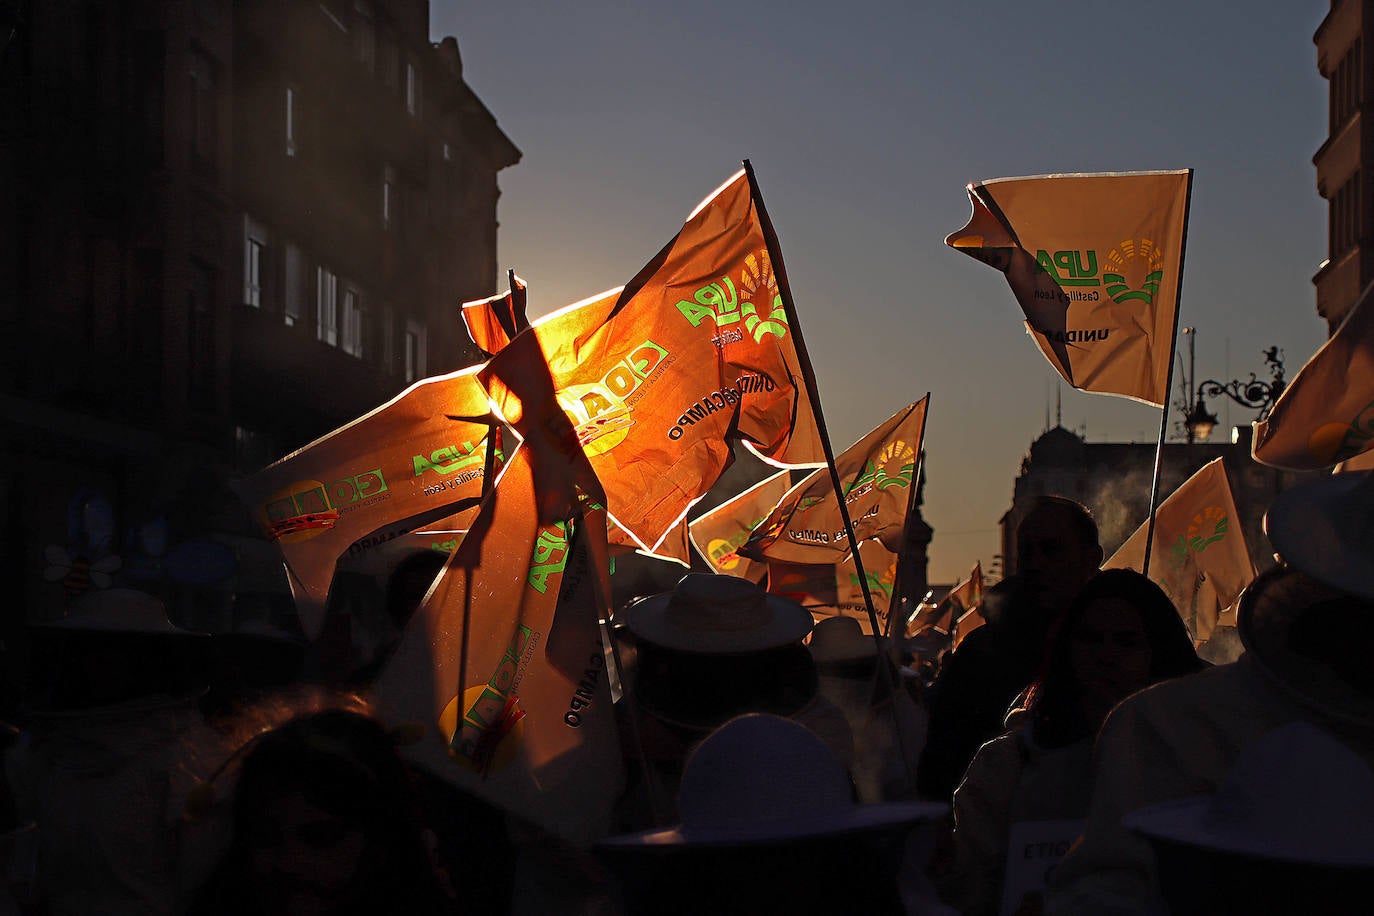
{"x": 965, "y": 597}
{"x": 718, "y": 534}
{"x": 696, "y": 351}
{"x": 970, "y": 621}
{"x": 833, "y": 589}
{"x": 503, "y": 662}
{"x": 1200, "y": 556}
{"x": 414, "y": 460}
{"x": 877, "y": 473}
{"x": 1095, "y": 261}
{"x": 1326, "y": 414}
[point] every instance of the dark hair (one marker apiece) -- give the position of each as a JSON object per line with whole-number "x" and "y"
{"x": 1053, "y": 698}
{"x": 1081, "y": 517}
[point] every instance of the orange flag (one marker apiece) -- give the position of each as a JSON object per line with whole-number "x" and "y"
{"x": 1096, "y": 262}
{"x": 877, "y": 472}
{"x": 414, "y": 460}
{"x": 503, "y": 661}
{"x": 1326, "y": 414}
{"x": 833, "y": 589}
{"x": 492, "y": 322}
{"x": 1199, "y": 556}
{"x": 660, "y": 376}
{"x": 718, "y": 534}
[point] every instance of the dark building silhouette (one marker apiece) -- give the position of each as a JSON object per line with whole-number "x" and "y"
{"x": 226, "y": 228}
{"x": 1341, "y": 159}
{"x": 1113, "y": 480}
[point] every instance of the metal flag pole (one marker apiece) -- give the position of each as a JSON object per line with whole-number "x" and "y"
{"x": 808, "y": 374}
{"x": 1168, "y": 383}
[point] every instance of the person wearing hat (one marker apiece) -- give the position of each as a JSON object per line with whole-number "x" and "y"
{"x": 1290, "y": 830}
{"x": 1306, "y": 625}
{"x": 769, "y": 823}
{"x": 712, "y": 648}
{"x": 888, "y": 724}
{"x": 115, "y": 741}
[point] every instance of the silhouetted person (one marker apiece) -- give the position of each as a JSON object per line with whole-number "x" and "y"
{"x": 1057, "y": 553}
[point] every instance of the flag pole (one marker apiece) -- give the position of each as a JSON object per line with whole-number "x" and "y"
{"x": 808, "y": 373}
{"x": 1168, "y": 383}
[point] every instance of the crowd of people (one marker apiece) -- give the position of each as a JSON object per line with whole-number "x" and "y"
{"x": 1074, "y": 755}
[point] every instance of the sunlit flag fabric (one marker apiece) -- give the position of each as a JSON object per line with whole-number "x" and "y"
{"x": 1095, "y": 261}
{"x": 694, "y": 352}
{"x": 1199, "y": 556}
{"x": 1326, "y": 414}
{"x": 492, "y": 322}
{"x": 512, "y": 621}
{"x": 718, "y": 534}
{"x": 416, "y": 459}
{"x": 833, "y": 589}
{"x": 877, "y": 474}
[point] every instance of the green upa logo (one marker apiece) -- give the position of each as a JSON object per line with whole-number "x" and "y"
{"x": 1131, "y": 271}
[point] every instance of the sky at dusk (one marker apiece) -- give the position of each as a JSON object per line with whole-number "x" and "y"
{"x": 864, "y": 121}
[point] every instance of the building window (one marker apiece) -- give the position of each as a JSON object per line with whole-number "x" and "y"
{"x": 412, "y": 90}
{"x": 1344, "y": 217}
{"x": 294, "y": 287}
{"x": 383, "y": 332}
{"x": 414, "y": 350}
{"x": 353, "y": 321}
{"x": 201, "y": 333}
{"x": 326, "y": 306}
{"x": 447, "y": 153}
{"x": 254, "y": 262}
{"x": 364, "y": 34}
{"x": 389, "y": 197}
{"x": 290, "y": 121}
{"x": 203, "y": 110}
{"x": 1347, "y": 86}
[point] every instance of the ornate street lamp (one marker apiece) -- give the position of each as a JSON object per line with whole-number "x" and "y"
{"x": 1253, "y": 394}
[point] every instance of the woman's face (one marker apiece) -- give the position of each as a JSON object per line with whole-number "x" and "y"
{"x": 1111, "y": 654}
{"x": 305, "y": 858}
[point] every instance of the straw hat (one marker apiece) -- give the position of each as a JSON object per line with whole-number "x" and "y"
{"x": 1294, "y": 795}
{"x": 118, "y": 610}
{"x": 714, "y": 614}
{"x": 762, "y": 779}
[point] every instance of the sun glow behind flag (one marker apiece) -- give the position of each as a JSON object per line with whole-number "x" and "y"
{"x": 1095, "y": 261}
{"x": 660, "y": 377}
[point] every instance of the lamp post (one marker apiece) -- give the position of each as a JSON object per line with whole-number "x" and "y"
{"x": 1254, "y": 394}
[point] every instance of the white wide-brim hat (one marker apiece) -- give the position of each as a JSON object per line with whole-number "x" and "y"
{"x": 761, "y": 779}
{"x": 716, "y": 614}
{"x": 1294, "y": 795}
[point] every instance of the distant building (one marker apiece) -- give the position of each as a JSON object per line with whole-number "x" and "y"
{"x": 1113, "y": 480}
{"x": 1343, "y": 158}
{"x": 225, "y": 229}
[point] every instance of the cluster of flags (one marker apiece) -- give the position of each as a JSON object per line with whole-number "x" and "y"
{"x": 626, "y": 407}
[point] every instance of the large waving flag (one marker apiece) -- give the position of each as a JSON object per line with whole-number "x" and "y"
{"x": 833, "y": 589}
{"x": 696, "y": 351}
{"x": 503, "y": 661}
{"x": 492, "y": 322}
{"x": 1199, "y": 556}
{"x": 418, "y": 458}
{"x": 1326, "y": 414}
{"x": 877, "y": 472}
{"x": 1095, "y": 261}
{"x": 718, "y": 534}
